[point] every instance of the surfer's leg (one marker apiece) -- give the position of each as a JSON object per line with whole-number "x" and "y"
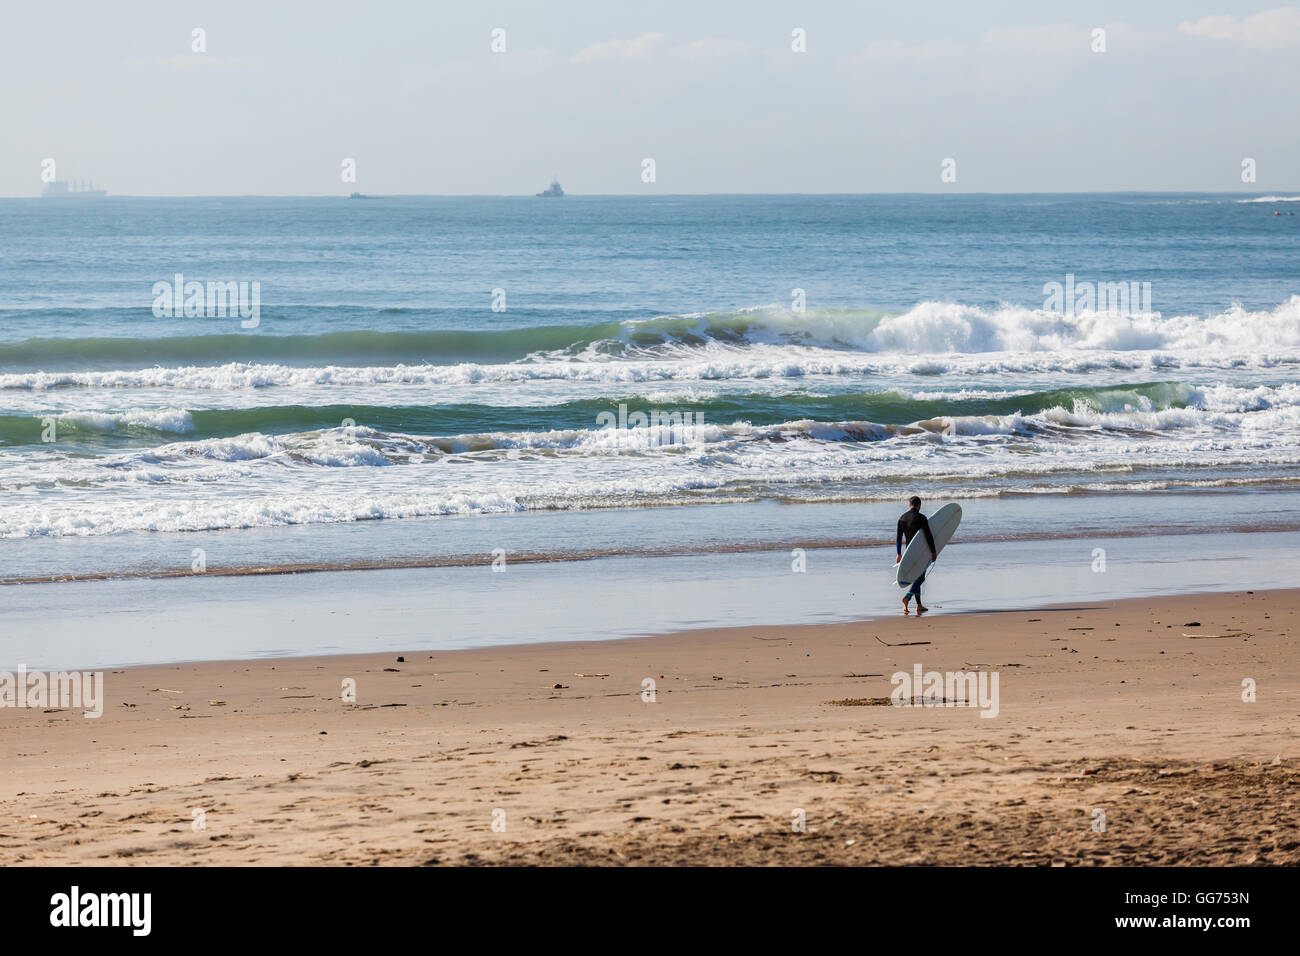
{"x": 916, "y": 592}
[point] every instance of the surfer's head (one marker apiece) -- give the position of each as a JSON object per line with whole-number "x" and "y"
{"x": 914, "y": 501}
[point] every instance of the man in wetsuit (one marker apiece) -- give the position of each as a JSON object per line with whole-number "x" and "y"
{"x": 909, "y": 524}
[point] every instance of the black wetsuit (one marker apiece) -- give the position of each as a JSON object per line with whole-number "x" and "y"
{"x": 909, "y": 524}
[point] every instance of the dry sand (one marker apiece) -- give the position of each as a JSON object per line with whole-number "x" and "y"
{"x": 1107, "y": 707}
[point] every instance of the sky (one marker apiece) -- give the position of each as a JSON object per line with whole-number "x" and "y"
{"x": 285, "y": 92}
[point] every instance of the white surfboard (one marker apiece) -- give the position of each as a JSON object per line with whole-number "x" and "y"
{"x": 916, "y": 556}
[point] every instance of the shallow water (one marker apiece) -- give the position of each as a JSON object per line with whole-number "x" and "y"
{"x": 141, "y": 621}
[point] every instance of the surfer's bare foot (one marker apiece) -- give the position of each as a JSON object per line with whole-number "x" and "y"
{"x": 920, "y": 609}
{"x": 907, "y": 608}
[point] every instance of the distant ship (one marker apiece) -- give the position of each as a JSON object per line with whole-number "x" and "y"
{"x": 554, "y": 189}
{"x": 77, "y": 189}
{"x": 360, "y": 196}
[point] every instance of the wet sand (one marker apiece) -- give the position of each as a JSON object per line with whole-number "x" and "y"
{"x": 1132, "y": 708}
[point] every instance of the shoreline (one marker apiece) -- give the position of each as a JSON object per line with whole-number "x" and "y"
{"x": 936, "y": 613}
{"x": 566, "y": 536}
{"x": 1103, "y": 705}
{"x": 216, "y": 617}
{"x": 569, "y": 556}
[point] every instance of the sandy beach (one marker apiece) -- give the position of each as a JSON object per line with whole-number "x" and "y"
{"x": 1121, "y": 737}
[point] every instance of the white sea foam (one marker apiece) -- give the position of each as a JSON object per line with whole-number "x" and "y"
{"x": 264, "y": 511}
{"x": 174, "y": 420}
{"x": 1211, "y": 417}
{"x": 1182, "y": 420}
{"x": 754, "y": 363}
{"x": 933, "y": 338}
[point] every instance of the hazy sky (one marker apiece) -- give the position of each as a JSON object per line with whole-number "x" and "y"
{"x": 712, "y": 91}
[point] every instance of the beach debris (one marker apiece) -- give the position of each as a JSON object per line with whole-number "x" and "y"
{"x": 560, "y": 687}
{"x": 392, "y": 670}
{"x": 401, "y": 660}
{"x": 216, "y": 703}
{"x": 297, "y": 696}
{"x": 1213, "y": 636}
{"x": 590, "y": 675}
{"x": 864, "y": 675}
{"x": 825, "y": 776}
{"x": 904, "y": 644}
{"x": 1079, "y": 628}
{"x": 1192, "y": 624}
{"x": 861, "y": 702}
{"x": 164, "y": 690}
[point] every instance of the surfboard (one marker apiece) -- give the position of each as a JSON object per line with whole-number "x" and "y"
{"x": 916, "y": 556}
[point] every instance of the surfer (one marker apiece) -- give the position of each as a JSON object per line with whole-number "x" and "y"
{"x": 909, "y": 524}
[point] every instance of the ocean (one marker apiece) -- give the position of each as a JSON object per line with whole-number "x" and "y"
{"x": 421, "y": 381}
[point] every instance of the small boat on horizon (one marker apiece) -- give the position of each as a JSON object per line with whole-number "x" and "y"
{"x": 553, "y": 190}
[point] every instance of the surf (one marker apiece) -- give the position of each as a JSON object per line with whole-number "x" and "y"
{"x": 1158, "y": 405}
{"x": 929, "y": 328}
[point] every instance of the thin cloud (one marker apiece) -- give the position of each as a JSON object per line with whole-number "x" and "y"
{"x": 1270, "y": 30}
{"x": 614, "y": 48}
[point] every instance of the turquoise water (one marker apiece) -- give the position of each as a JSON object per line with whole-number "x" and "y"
{"x": 380, "y": 389}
